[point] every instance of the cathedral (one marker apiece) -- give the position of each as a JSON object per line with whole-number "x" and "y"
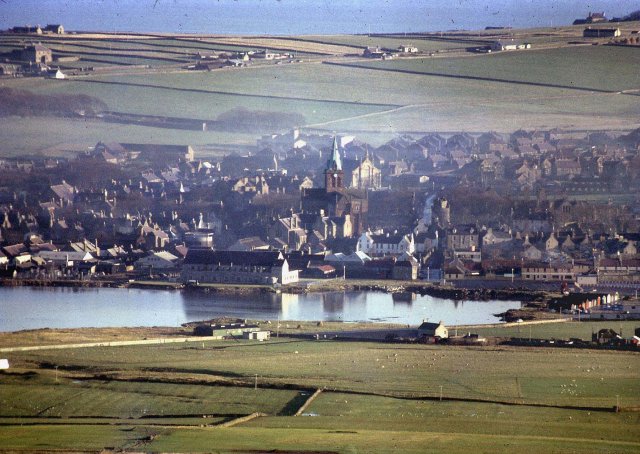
{"x": 346, "y": 208}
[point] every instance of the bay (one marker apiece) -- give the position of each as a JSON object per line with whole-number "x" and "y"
{"x": 41, "y": 307}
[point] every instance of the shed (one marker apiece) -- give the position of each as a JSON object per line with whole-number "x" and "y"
{"x": 257, "y": 335}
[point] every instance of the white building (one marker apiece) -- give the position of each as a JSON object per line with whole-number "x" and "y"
{"x": 237, "y": 267}
{"x": 162, "y": 260}
{"x": 385, "y": 244}
{"x": 407, "y": 49}
{"x": 511, "y": 44}
{"x": 65, "y": 258}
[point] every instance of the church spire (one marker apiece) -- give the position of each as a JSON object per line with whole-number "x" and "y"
{"x": 333, "y": 174}
{"x": 335, "y": 163}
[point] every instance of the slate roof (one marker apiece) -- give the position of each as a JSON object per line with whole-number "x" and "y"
{"x": 64, "y": 191}
{"x": 254, "y": 258}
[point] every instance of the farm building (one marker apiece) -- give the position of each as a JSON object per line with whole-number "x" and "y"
{"x": 512, "y": 44}
{"x": 237, "y": 267}
{"x": 257, "y": 335}
{"x": 406, "y": 49}
{"x": 592, "y": 18}
{"x": 37, "y": 54}
{"x": 27, "y": 29}
{"x": 54, "y": 28}
{"x": 601, "y": 32}
{"x": 225, "y": 330}
{"x": 56, "y": 74}
{"x": 433, "y": 330}
{"x": 373, "y": 52}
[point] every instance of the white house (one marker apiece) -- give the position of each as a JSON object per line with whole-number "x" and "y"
{"x": 162, "y": 260}
{"x": 386, "y": 244}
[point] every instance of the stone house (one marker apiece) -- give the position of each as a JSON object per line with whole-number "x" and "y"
{"x": 427, "y": 329}
{"x": 37, "y": 53}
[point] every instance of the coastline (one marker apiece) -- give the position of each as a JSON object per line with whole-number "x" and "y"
{"x": 334, "y": 285}
{"x": 534, "y": 302}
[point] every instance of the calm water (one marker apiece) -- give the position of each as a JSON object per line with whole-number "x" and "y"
{"x": 30, "y": 308}
{"x": 292, "y": 17}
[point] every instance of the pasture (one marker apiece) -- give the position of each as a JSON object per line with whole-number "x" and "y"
{"x": 581, "y": 87}
{"x": 566, "y": 330}
{"x": 380, "y": 397}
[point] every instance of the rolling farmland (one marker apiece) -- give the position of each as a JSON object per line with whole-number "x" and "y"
{"x": 153, "y": 397}
{"x": 578, "y": 87}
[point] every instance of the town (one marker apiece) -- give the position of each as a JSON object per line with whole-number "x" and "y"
{"x": 533, "y": 209}
{"x": 316, "y": 227}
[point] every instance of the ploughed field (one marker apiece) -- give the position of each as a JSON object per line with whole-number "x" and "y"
{"x": 376, "y": 397}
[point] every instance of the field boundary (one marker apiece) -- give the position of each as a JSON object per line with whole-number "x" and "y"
{"x": 475, "y": 78}
{"x": 243, "y": 419}
{"x": 111, "y": 343}
{"x": 308, "y": 402}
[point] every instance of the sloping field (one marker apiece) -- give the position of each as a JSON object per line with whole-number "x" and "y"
{"x": 424, "y": 44}
{"x": 387, "y": 398}
{"x": 529, "y": 375}
{"x": 583, "y": 87}
{"x": 590, "y": 68}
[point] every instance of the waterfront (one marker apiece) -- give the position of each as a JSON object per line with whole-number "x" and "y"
{"x": 41, "y": 307}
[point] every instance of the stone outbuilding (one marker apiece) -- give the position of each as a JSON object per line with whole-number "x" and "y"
{"x": 37, "y": 53}
{"x": 433, "y": 330}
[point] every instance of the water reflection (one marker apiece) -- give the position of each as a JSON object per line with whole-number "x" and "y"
{"x": 404, "y": 298}
{"x": 30, "y": 308}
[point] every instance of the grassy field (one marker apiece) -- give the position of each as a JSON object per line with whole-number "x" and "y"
{"x": 580, "y": 330}
{"x": 571, "y": 87}
{"x": 532, "y": 375}
{"x": 67, "y": 137}
{"x": 386, "y": 398}
{"x": 576, "y": 68}
{"x": 424, "y": 44}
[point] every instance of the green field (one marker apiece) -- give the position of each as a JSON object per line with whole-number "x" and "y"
{"x": 567, "y": 330}
{"x": 424, "y": 44}
{"x": 66, "y": 137}
{"x": 378, "y": 397}
{"x": 572, "y": 87}
{"x": 575, "y": 68}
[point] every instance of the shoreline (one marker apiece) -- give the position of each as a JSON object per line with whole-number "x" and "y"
{"x": 533, "y": 301}
{"x": 320, "y": 286}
